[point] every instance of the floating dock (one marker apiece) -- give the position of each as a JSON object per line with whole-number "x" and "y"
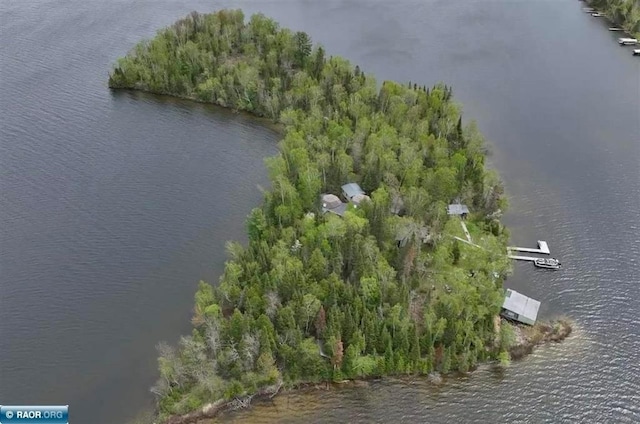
{"x": 543, "y": 248}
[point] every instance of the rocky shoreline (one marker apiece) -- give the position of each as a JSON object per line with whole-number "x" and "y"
{"x": 527, "y": 338}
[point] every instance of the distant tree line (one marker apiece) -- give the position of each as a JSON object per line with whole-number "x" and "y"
{"x": 316, "y": 297}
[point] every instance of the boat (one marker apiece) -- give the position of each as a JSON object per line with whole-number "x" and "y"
{"x": 627, "y": 41}
{"x": 588, "y": 9}
{"x": 615, "y": 29}
{"x": 547, "y": 263}
{"x": 636, "y": 52}
{"x": 597, "y": 15}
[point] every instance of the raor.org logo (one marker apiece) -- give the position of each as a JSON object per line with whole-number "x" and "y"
{"x": 34, "y": 414}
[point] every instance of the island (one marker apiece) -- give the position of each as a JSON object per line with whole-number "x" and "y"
{"x": 625, "y": 13}
{"x": 378, "y": 249}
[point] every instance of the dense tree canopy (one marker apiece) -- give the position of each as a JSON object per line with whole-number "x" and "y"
{"x": 384, "y": 289}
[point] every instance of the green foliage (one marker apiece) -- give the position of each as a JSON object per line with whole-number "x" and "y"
{"x": 626, "y": 13}
{"x": 321, "y": 297}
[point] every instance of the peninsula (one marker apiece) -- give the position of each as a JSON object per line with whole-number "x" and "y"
{"x": 328, "y": 289}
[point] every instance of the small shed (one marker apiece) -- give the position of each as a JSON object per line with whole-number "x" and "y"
{"x": 331, "y": 203}
{"x": 349, "y": 191}
{"x": 520, "y": 308}
{"x": 458, "y": 209}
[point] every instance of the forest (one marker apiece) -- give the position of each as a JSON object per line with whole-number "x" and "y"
{"x": 625, "y": 13}
{"x": 384, "y": 289}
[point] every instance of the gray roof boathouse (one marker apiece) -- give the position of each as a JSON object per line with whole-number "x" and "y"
{"x": 520, "y": 308}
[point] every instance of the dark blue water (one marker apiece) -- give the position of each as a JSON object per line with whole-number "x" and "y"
{"x": 113, "y": 206}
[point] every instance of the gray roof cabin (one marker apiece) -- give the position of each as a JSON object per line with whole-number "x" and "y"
{"x": 520, "y": 308}
{"x": 458, "y": 209}
{"x": 349, "y": 191}
{"x": 331, "y": 203}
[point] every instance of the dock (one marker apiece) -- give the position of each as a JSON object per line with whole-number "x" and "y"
{"x": 522, "y": 258}
{"x": 543, "y": 248}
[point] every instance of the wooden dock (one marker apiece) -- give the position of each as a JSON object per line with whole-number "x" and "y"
{"x": 523, "y": 258}
{"x": 543, "y": 248}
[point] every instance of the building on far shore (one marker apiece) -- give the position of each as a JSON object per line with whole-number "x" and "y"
{"x": 519, "y": 307}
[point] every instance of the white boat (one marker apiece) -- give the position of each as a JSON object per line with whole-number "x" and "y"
{"x": 627, "y": 41}
{"x": 547, "y": 263}
{"x": 597, "y": 15}
{"x": 615, "y": 29}
{"x": 588, "y": 9}
{"x": 636, "y": 52}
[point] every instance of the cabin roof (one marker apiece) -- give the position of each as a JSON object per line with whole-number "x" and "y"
{"x": 359, "y": 198}
{"x": 331, "y": 203}
{"x": 457, "y": 209}
{"x": 522, "y": 305}
{"x": 352, "y": 189}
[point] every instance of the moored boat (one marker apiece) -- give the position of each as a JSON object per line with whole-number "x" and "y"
{"x": 627, "y": 41}
{"x": 636, "y": 52}
{"x": 547, "y": 263}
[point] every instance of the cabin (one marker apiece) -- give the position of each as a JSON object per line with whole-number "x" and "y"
{"x": 351, "y": 190}
{"x": 332, "y": 203}
{"x": 519, "y": 307}
{"x": 456, "y": 209}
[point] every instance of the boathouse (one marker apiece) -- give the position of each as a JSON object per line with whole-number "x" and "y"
{"x": 331, "y": 203}
{"x": 456, "y": 209}
{"x": 519, "y": 307}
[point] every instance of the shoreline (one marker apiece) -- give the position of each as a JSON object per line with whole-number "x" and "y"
{"x": 623, "y": 23}
{"x": 528, "y": 339}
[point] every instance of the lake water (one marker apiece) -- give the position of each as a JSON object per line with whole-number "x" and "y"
{"x": 114, "y": 205}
